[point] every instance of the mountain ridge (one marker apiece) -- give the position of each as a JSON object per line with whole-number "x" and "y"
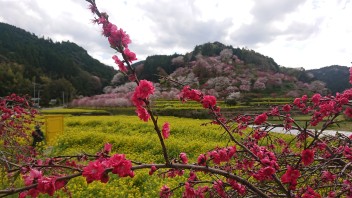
{"x": 55, "y": 67}
{"x": 336, "y": 77}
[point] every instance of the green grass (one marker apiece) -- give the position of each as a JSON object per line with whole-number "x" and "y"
{"x": 74, "y": 111}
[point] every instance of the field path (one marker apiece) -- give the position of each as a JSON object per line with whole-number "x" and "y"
{"x": 295, "y": 132}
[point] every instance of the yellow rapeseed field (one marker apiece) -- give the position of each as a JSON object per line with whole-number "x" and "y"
{"x": 139, "y": 142}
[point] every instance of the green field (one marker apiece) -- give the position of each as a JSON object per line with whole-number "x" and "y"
{"x": 189, "y": 109}
{"x": 192, "y": 109}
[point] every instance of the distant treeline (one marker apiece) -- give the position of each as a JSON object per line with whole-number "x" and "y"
{"x": 53, "y": 67}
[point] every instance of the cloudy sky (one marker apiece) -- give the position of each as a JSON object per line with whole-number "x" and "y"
{"x": 296, "y": 33}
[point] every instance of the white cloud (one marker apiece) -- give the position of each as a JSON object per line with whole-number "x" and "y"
{"x": 300, "y": 33}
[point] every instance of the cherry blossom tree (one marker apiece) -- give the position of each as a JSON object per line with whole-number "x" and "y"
{"x": 226, "y": 55}
{"x": 260, "y": 83}
{"x": 317, "y": 87}
{"x": 178, "y": 61}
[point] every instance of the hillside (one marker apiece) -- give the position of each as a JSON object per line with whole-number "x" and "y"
{"x": 226, "y": 72}
{"x": 336, "y": 77}
{"x": 158, "y": 64}
{"x": 252, "y": 69}
{"x": 57, "y": 68}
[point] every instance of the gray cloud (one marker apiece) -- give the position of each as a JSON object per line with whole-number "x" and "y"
{"x": 301, "y": 31}
{"x": 255, "y": 33}
{"x": 30, "y": 16}
{"x": 272, "y": 10}
{"x": 13, "y": 12}
{"x": 262, "y": 29}
{"x": 177, "y": 24}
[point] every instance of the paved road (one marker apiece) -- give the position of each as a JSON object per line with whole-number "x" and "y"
{"x": 295, "y": 132}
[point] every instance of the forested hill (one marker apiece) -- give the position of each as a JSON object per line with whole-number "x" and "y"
{"x": 163, "y": 63}
{"x": 254, "y": 72}
{"x": 336, "y": 77}
{"x": 55, "y": 67}
{"x": 226, "y": 72}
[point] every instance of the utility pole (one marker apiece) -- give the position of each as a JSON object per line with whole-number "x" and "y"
{"x": 39, "y": 98}
{"x": 63, "y": 98}
{"x": 34, "y": 90}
